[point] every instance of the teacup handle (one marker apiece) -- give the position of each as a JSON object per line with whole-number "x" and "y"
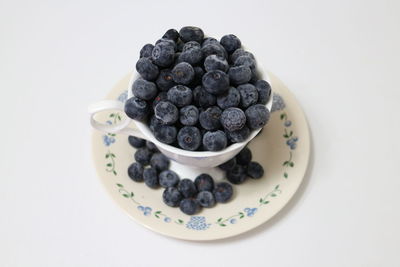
{"x": 120, "y": 128}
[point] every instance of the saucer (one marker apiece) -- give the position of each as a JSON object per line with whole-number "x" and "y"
{"x": 282, "y": 148}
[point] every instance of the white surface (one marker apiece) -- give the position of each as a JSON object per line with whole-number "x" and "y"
{"x": 340, "y": 58}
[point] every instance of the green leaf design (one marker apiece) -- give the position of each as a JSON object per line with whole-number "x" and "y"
{"x": 261, "y": 200}
{"x": 107, "y": 156}
{"x": 112, "y": 115}
{"x": 180, "y": 221}
{"x": 132, "y": 194}
{"x": 273, "y": 195}
{"x": 120, "y": 185}
{"x": 277, "y": 186}
{"x": 291, "y": 164}
{"x": 158, "y": 217}
{"x": 222, "y": 224}
{"x": 291, "y": 133}
{"x": 112, "y": 155}
{"x": 220, "y": 219}
{"x": 265, "y": 202}
{"x": 283, "y": 115}
{"x": 119, "y": 117}
{"x": 285, "y": 175}
{"x": 285, "y": 163}
{"x": 125, "y": 195}
{"x": 241, "y": 216}
{"x": 158, "y": 212}
{"x": 109, "y": 165}
{"x": 286, "y": 136}
{"x": 114, "y": 172}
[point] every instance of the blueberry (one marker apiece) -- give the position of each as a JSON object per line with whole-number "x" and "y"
{"x": 171, "y": 34}
{"x": 223, "y": 192}
{"x": 167, "y": 41}
{"x": 244, "y": 157}
{"x": 204, "y": 182}
{"x": 136, "y": 142}
{"x": 166, "y": 112}
{"x": 147, "y": 69}
{"x": 189, "y": 115}
{"x": 180, "y": 95}
{"x": 189, "y": 206}
{"x": 205, "y": 199}
{"x": 168, "y": 178}
{"x": 154, "y": 122}
{"x": 230, "y": 42}
{"x": 150, "y": 177}
{"x": 163, "y": 53}
{"x": 257, "y": 116}
{"x": 179, "y": 45}
{"x": 189, "y": 138}
{"x": 162, "y": 96}
{"x": 190, "y": 45}
{"x": 214, "y": 141}
{"x": 228, "y": 165}
{"x": 240, "y": 52}
{"x": 136, "y": 108}
{"x": 210, "y": 118}
{"x": 202, "y": 98}
{"x": 146, "y": 50}
{"x": 246, "y": 60}
{"x": 209, "y": 40}
{"x": 264, "y": 91}
{"x": 159, "y": 162}
{"x": 239, "y": 74}
{"x": 191, "y": 33}
{"x": 135, "y": 172}
{"x": 183, "y": 73}
{"x": 172, "y": 197}
{"x": 143, "y": 156}
{"x": 233, "y": 119}
{"x": 198, "y": 75}
{"x": 151, "y": 146}
{"x": 255, "y": 170}
{"x": 144, "y": 89}
{"x": 254, "y": 76}
{"x": 216, "y": 82}
{"x": 237, "y": 174}
{"x": 230, "y": 98}
{"x": 214, "y": 62}
{"x": 192, "y": 56}
{"x": 165, "y": 133}
{"x": 187, "y": 188}
{"x": 164, "y": 80}
{"x": 213, "y": 49}
{"x": 248, "y": 95}
{"x": 238, "y": 135}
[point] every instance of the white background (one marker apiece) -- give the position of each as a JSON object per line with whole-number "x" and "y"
{"x": 341, "y": 60}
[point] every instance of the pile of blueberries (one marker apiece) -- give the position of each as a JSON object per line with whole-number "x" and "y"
{"x": 198, "y": 93}
{"x": 189, "y": 196}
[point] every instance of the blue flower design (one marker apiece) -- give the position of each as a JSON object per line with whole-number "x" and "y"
{"x": 109, "y": 122}
{"x": 197, "y": 223}
{"x": 250, "y": 211}
{"x": 146, "y": 210}
{"x": 277, "y": 103}
{"x": 287, "y": 123}
{"x": 108, "y": 140}
{"x": 123, "y": 96}
{"x": 167, "y": 219}
{"x": 233, "y": 221}
{"x": 292, "y": 142}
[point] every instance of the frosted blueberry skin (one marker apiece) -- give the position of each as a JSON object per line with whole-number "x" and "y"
{"x": 168, "y": 178}
{"x": 238, "y": 135}
{"x": 187, "y": 188}
{"x": 214, "y": 62}
{"x": 191, "y": 33}
{"x": 136, "y": 142}
{"x": 159, "y": 162}
{"x": 150, "y": 177}
{"x": 180, "y": 95}
{"x": 165, "y": 133}
{"x": 204, "y": 182}
{"x": 255, "y": 170}
{"x": 135, "y": 172}
{"x": 163, "y": 54}
{"x": 189, "y": 138}
{"x": 248, "y": 95}
{"x": 216, "y": 82}
{"x": 244, "y": 156}
{"x": 223, "y": 192}
{"x": 210, "y": 118}
{"x": 264, "y": 91}
{"x": 164, "y": 80}
{"x": 172, "y": 197}
{"x": 171, "y": 34}
{"x": 143, "y": 156}
{"x": 230, "y": 42}
{"x": 237, "y": 174}
{"x": 189, "y": 115}
{"x": 144, "y": 89}
{"x": 228, "y": 165}
{"x": 136, "y": 108}
{"x": 205, "y": 199}
{"x": 257, "y": 116}
{"x": 229, "y": 99}
{"x": 146, "y": 50}
{"x": 214, "y": 141}
{"x": 189, "y": 206}
{"x": 240, "y": 74}
{"x": 183, "y": 73}
{"x": 147, "y": 69}
{"x": 202, "y": 98}
{"x": 166, "y": 112}
{"x": 233, "y": 119}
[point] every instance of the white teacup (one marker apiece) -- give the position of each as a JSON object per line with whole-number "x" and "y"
{"x": 201, "y": 159}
